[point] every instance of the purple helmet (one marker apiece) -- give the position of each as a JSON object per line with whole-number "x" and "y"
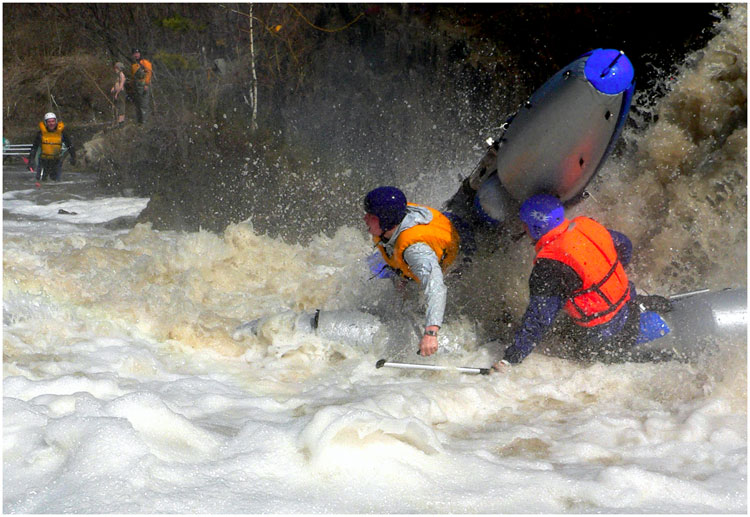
{"x": 541, "y": 213}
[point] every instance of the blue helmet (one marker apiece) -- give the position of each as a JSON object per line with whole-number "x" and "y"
{"x": 388, "y": 204}
{"x": 541, "y": 213}
{"x": 609, "y": 71}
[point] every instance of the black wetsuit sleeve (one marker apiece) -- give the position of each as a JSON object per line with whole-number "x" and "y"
{"x": 66, "y": 140}
{"x": 553, "y": 278}
{"x": 623, "y": 246}
{"x": 550, "y": 284}
{"x": 539, "y": 315}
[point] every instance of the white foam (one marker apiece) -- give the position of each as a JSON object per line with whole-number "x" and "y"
{"x": 76, "y": 211}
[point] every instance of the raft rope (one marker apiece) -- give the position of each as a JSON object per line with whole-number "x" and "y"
{"x": 613, "y": 63}
{"x": 97, "y": 87}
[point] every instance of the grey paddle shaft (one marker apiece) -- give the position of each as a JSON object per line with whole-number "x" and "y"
{"x": 685, "y": 295}
{"x": 411, "y": 366}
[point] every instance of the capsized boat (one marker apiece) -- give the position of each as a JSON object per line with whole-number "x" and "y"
{"x": 556, "y": 142}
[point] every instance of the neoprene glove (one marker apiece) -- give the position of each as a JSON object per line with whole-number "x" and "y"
{"x": 378, "y": 267}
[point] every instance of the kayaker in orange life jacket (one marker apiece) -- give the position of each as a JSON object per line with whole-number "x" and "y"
{"x": 417, "y": 242}
{"x": 51, "y": 137}
{"x": 579, "y": 268}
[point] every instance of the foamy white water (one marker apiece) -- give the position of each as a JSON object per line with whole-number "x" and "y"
{"x": 123, "y": 391}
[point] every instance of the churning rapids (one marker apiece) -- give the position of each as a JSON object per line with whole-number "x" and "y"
{"x": 124, "y": 391}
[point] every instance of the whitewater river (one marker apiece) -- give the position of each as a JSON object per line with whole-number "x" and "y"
{"x": 124, "y": 392}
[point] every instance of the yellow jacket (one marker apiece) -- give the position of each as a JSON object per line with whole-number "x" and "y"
{"x": 439, "y": 234}
{"x": 51, "y": 141}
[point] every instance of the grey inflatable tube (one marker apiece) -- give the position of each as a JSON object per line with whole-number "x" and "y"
{"x": 699, "y": 321}
{"x": 704, "y": 320}
{"x": 346, "y": 326}
{"x": 555, "y": 143}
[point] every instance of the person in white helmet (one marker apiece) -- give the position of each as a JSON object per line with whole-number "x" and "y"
{"x": 51, "y": 137}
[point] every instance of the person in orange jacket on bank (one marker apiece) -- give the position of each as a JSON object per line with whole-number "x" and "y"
{"x": 141, "y": 71}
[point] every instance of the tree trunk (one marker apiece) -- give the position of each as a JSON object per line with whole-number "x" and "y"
{"x": 254, "y": 89}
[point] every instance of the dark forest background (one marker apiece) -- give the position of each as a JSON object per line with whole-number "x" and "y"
{"x": 349, "y": 96}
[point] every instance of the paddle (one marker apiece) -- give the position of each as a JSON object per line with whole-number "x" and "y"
{"x": 31, "y": 169}
{"x": 411, "y": 366}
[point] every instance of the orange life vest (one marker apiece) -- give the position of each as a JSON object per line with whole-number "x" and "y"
{"x": 587, "y": 247}
{"x": 51, "y": 141}
{"x": 439, "y": 234}
{"x": 141, "y": 71}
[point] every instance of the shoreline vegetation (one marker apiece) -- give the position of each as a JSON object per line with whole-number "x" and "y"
{"x": 279, "y": 111}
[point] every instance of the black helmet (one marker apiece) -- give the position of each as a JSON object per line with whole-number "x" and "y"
{"x": 388, "y": 204}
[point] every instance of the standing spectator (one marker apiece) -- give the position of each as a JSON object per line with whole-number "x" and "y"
{"x": 118, "y": 93}
{"x": 141, "y": 71}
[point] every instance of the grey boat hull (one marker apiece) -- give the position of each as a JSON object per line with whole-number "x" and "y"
{"x": 555, "y": 143}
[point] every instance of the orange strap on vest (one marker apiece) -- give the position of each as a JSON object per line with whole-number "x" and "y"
{"x": 51, "y": 141}
{"x": 439, "y": 234}
{"x": 587, "y": 247}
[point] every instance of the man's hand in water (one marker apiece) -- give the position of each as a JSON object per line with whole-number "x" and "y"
{"x": 502, "y": 366}
{"x": 429, "y": 343}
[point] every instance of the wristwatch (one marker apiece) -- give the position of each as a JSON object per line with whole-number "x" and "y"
{"x": 430, "y": 333}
